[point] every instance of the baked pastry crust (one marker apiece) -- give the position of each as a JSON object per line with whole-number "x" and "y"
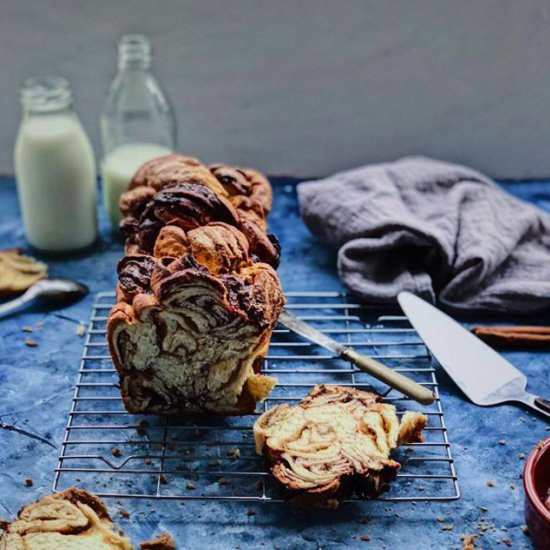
{"x": 71, "y": 520}
{"x": 248, "y": 190}
{"x": 334, "y": 444}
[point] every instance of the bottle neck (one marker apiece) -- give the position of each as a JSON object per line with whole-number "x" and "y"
{"x": 46, "y": 96}
{"x": 134, "y": 53}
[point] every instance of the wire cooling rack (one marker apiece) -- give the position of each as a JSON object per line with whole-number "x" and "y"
{"x": 115, "y": 454}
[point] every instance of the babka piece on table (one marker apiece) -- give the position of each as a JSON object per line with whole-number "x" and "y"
{"x": 71, "y": 520}
{"x": 335, "y": 444}
{"x": 198, "y": 296}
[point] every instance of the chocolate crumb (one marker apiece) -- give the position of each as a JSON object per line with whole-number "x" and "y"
{"x": 163, "y": 479}
{"x": 191, "y": 486}
{"x": 447, "y": 528}
{"x": 31, "y": 343}
{"x": 124, "y": 513}
{"x": 507, "y": 541}
{"x": 512, "y": 486}
{"x": 490, "y": 483}
{"x": 26, "y": 329}
{"x": 223, "y": 481}
{"x": 365, "y": 538}
{"x": 502, "y": 442}
{"x": 441, "y": 519}
{"x": 28, "y": 482}
{"x": 116, "y": 451}
{"x": 250, "y": 513}
{"x": 148, "y": 461}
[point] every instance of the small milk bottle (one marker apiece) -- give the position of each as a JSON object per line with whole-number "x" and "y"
{"x": 55, "y": 169}
{"x": 137, "y": 123}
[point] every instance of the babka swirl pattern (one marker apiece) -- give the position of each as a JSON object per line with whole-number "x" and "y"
{"x": 71, "y": 520}
{"x": 198, "y": 296}
{"x": 335, "y": 443}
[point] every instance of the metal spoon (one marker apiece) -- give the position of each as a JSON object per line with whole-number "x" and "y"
{"x": 51, "y": 292}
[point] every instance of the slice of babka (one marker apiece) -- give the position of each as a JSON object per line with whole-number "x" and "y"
{"x": 334, "y": 444}
{"x": 71, "y": 520}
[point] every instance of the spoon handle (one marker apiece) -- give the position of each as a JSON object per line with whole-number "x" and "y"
{"x": 7, "y": 308}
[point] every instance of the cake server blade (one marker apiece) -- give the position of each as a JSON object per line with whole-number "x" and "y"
{"x": 484, "y": 375}
{"x": 367, "y": 364}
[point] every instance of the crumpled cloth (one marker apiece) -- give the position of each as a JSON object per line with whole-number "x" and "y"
{"x": 443, "y": 231}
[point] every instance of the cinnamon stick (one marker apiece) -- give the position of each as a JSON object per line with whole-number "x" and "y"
{"x": 514, "y": 337}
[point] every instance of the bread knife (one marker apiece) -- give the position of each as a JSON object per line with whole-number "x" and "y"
{"x": 367, "y": 364}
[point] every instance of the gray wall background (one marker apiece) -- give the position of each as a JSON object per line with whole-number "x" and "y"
{"x": 312, "y": 86}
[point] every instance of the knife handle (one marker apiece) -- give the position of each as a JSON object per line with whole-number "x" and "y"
{"x": 385, "y": 374}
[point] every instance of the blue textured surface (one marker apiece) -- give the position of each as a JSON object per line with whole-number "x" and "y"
{"x": 36, "y": 386}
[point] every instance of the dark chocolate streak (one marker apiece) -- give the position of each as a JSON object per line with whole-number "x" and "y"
{"x": 231, "y": 178}
{"x": 185, "y": 205}
{"x": 241, "y": 298}
{"x": 134, "y": 274}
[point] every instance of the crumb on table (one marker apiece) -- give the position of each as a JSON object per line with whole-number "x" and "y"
{"x": 30, "y": 342}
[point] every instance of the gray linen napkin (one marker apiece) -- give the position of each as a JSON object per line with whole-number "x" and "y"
{"x": 440, "y": 230}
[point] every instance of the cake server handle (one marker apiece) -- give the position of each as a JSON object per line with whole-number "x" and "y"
{"x": 539, "y": 404}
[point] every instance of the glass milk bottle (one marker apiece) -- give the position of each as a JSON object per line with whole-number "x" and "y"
{"x": 137, "y": 123}
{"x": 55, "y": 169}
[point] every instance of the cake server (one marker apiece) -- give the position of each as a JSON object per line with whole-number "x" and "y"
{"x": 367, "y": 364}
{"x": 484, "y": 376}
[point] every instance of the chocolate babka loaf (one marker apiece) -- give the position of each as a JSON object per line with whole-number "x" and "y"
{"x": 198, "y": 296}
{"x": 71, "y": 520}
{"x": 336, "y": 443}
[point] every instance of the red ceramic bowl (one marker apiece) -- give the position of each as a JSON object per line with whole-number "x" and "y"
{"x": 536, "y": 481}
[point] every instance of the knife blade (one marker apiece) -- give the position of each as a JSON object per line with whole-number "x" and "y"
{"x": 482, "y": 374}
{"x": 367, "y": 364}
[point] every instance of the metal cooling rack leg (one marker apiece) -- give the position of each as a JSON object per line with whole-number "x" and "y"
{"x": 160, "y": 476}
{"x": 68, "y": 426}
